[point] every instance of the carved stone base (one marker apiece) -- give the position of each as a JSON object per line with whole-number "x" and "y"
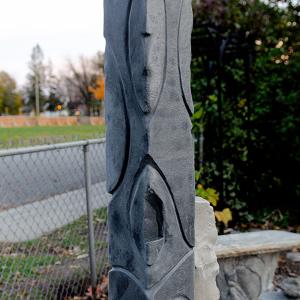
{"x": 248, "y": 262}
{"x": 246, "y": 277}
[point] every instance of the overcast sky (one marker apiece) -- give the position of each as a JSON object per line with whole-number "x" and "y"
{"x": 63, "y": 28}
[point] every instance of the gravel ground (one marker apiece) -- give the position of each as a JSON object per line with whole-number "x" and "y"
{"x": 286, "y": 269}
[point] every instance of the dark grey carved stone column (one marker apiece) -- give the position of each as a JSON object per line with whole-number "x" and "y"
{"x": 150, "y": 163}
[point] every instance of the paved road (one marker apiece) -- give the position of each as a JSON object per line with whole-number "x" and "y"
{"x": 33, "y": 177}
{"x": 36, "y": 219}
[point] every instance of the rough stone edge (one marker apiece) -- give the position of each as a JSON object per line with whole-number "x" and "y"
{"x": 252, "y": 250}
{"x": 206, "y": 265}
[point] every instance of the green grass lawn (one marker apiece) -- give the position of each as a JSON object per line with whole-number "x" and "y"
{"x": 52, "y": 260}
{"x": 13, "y": 137}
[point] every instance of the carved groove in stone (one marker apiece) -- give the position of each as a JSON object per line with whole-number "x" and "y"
{"x": 125, "y": 285}
{"x": 178, "y": 283}
{"x": 117, "y": 141}
{"x": 184, "y": 53}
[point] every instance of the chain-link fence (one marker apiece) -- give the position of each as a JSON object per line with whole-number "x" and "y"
{"x": 47, "y": 140}
{"x": 53, "y": 220}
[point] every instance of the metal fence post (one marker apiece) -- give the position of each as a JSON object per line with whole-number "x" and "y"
{"x": 43, "y": 223}
{"x": 91, "y": 236}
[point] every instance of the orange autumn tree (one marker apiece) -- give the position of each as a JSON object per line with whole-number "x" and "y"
{"x": 98, "y": 91}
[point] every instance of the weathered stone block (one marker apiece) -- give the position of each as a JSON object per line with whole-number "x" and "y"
{"x": 291, "y": 287}
{"x": 278, "y": 295}
{"x": 246, "y": 277}
{"x": 206, "y": 264}
{"x": 248, "y": 262}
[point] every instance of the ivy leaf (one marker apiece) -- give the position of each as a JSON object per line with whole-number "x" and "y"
{"x": 212, "y": 196}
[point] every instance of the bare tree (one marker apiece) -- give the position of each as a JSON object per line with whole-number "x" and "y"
{"x": 82, "y": 78}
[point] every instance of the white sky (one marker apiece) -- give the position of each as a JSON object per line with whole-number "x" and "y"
{"x": 63, "y": 28}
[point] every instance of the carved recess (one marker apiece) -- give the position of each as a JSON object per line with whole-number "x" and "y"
{"x": 149, "y": 149}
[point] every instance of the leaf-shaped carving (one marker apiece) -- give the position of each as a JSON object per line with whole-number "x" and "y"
{"x": 147, "y": 217}
{"x": 184, "y": 52}
{"x": 154, "y": 224}
{"x": 117, "y": 133}
{"x": 147, "y": 51}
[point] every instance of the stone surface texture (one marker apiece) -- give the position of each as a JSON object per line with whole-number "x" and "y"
{"x": 150, "y": 163}
{"x": 275, "y": 295}
{"x": 293, "y": 257}
{"x": 291, "y": 287}
{"x": 248, "y": 262}
{"x": 246, "y": 277}
{"x": 257, "y": 242}
{"x": 293, "y": 262}
{"x": 206, "y": 264}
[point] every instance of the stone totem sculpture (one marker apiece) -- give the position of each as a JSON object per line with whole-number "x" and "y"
{"x": 150, "y": 154}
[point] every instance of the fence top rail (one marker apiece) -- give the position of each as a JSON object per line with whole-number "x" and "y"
{"x": 42, "y": 148}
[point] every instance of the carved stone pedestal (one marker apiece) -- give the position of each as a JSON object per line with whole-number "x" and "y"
{"x": 150, "y": 151}
{"x": 248, "y": 262}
